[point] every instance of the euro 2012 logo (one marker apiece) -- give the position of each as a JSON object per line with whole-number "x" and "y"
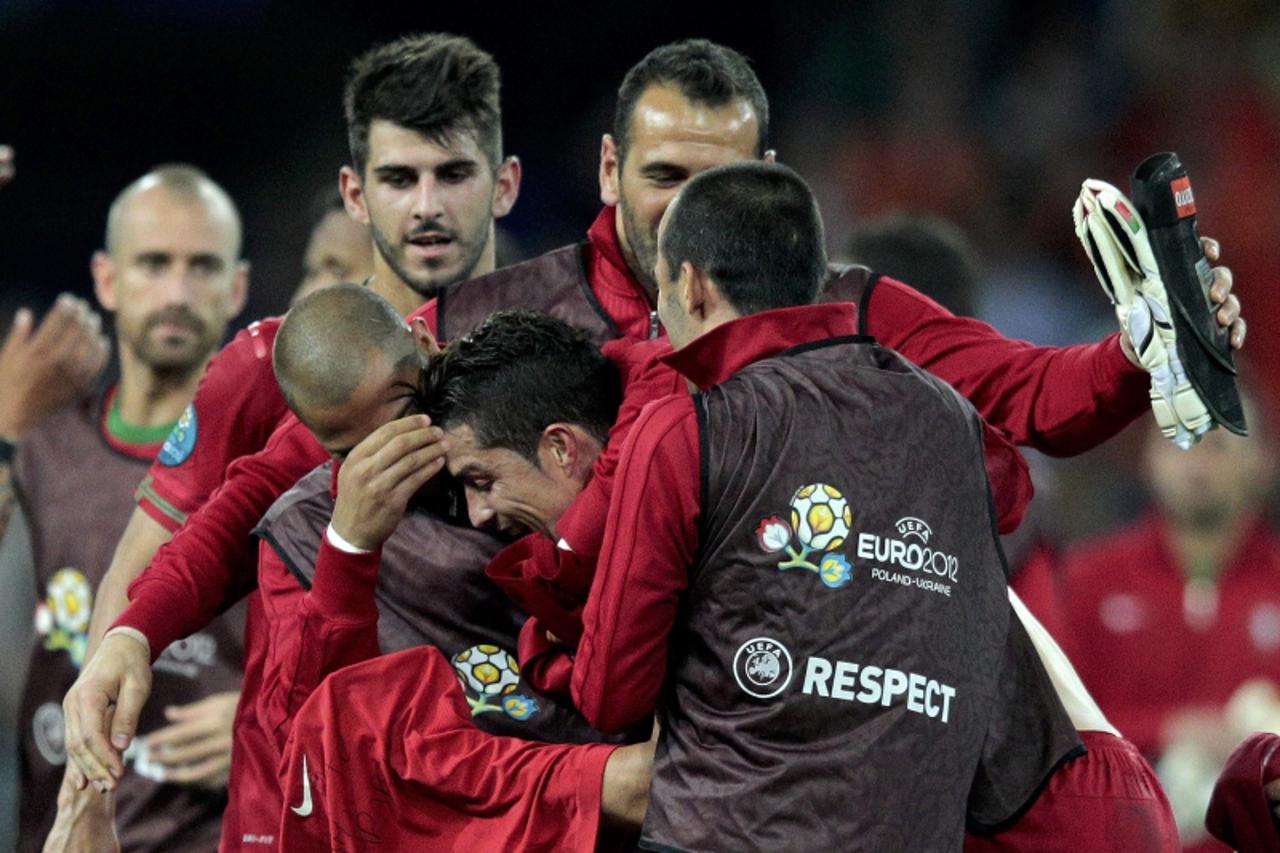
{"x": 490, "y": 676}
{"x": 63, "y": 617}
{"x": 819, "y": 524}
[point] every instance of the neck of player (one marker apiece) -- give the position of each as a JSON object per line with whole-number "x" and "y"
{"x": 150, "y": 397}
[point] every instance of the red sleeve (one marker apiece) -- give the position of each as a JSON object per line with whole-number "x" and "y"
{"x": 1011, "y": 488}
{"x": 385, "y": 756}
{"x": 645, "y": 379}
{"x": 211, "y": 562}
{"x": 648, "y": 547}
{"x": 237, "y": 405}
{"x": 1059, "y": 400}
{"x": 332, "y": 626}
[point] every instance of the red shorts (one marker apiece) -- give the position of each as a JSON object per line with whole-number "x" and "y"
{"x": 1108, "y": 799}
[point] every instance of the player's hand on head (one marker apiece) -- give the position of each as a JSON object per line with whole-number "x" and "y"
{"x": 7, "y": 169}
{"x": 195, "y": 748}
{"x": 45, "y": 367}
{"x": 102, "y": 709}
{"x": 85, "y": 822}
{"x": 1228, "y": 314}
{"x": 381, "y": 474}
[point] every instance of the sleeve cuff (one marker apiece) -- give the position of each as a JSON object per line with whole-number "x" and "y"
{"x": 132, "y": 633}
{"x": 336, "y": 540}
{"x": 344, "y": 583}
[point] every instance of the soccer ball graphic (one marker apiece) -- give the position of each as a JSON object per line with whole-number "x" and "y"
{"x": 820, "y": 516}
{"x": 71, "y": 600}
{"x": 487, "y": 670}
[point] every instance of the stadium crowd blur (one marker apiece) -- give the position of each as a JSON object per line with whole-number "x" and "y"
{"x": 985, "y": 113}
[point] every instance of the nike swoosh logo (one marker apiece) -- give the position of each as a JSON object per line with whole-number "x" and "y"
{"x": 304, "y": 809}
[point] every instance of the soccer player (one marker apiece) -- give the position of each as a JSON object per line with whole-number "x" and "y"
{"x": 799, "y": 427}
{"x": 170, "y": 275}
{"x": 684, "y": 108}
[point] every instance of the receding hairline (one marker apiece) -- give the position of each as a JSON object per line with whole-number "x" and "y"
{"x": 183, "y": 182}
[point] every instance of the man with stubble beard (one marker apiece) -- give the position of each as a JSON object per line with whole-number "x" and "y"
{"x": 171, "y": 277}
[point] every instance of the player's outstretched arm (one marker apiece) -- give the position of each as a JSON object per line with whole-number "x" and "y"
{"x": 142, "y": 538}
{"x": 86, "y": 823}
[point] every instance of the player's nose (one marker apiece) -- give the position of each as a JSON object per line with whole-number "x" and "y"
{"x": 427, "y": 199}
{"x": 478, "y": 509}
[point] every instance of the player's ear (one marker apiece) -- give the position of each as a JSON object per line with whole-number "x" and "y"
{"x": 353, "y": 194}
{"x": 506, "y": 187}
{"x": 427, "y": 344}
{"x": 610, "y": 171}
{"x": 103, "y": 268}
{"x": 693, "y": 289}
{"x": 239, "y": 289}
{"x": 558, "y": 448}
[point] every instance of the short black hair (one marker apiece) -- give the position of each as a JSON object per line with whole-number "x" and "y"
{"x": 436, "y": 84}
{"x": 754, "y": 228}
{"x": 928, "y": 252}
{"x": 516, "y": 374}
{"x": 704, "y": 72}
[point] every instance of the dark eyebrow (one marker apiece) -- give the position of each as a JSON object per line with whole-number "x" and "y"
{"x": 661, "y": 167}
{"x": 208, "y": 259}
{"x": 394, "y": 170}
{"x": 153, "y": 256}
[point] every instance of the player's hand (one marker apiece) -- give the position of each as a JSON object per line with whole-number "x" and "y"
{"x": 195, "y": 749}
{"x": 43, "y": 369}
{"x": 102, "y": 709}
{"x": 381, "y": 474}
{"x": 85, "y": 822}
{"x": 6, "y": 165}
{"x": 1228, "y": 314}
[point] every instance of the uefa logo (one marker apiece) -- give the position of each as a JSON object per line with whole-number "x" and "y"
{"x": 762, "y": 667}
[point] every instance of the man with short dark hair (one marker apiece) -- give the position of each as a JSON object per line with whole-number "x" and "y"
{"x": 795, "y": 413}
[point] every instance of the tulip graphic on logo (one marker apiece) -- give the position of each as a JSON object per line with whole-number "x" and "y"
{"x": 774, "y": 534}
{"x": 820, "y": 521}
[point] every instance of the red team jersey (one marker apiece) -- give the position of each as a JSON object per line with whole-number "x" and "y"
{"x": 1147, "y": 643}
{"x": 236, "y": 406}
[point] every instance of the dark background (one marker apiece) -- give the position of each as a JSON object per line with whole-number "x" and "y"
{"x": 984, "y": 111}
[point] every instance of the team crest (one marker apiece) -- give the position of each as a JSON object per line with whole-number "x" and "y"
{"x": 181, "y": 439}
{"x": 63, "y": 617}
{"x": 490, "y": 676}
{"x": 819, "y": 524}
